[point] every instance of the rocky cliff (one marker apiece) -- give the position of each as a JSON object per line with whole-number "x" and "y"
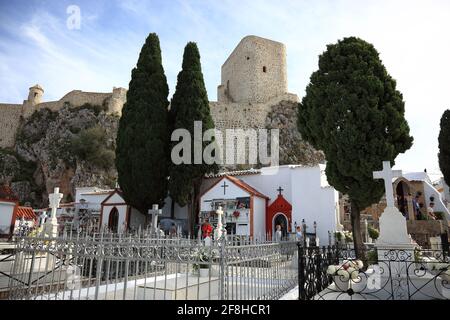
{"x": 293, "y": 149}
{"x": 69, "y": 148}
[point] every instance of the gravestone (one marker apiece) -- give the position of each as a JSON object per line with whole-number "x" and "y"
{"x": 218, "y": 232}
{"x": 394, "y": 237}
{"x": 51, "y": 225}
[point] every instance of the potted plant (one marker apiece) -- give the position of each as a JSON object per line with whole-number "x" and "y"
{"x": 343, "y": 273}
{"x": 373, "y": 233}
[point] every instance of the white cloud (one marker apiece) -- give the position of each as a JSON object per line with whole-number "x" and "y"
{"x": 411, "y": 37}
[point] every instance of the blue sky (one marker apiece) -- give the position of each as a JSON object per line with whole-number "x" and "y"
{"x": 412, "y": 37}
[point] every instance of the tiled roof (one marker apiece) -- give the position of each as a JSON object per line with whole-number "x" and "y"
{"x": 246, "y": 187}
{"x": 234, "y": 173}
{"x": 97, "y": 193}
{"x": 25, "y": 212}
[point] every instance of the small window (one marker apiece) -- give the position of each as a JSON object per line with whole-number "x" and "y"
{"x": 264, "y": 69}
{"x": 35, "y": 94}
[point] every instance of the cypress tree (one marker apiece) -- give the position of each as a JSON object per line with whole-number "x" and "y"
{"x": 354, "y": 114}
{"x": 189, "y": 104}
{"x": 142, "y": 153}
{"x": 444, "y": 146}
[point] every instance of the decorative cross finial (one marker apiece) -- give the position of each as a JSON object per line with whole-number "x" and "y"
{"x": 224, "y": 186}
{"x": 280, "y": 190}
{"x": 54, "y": 199}
{"x": 155, "y": 212}
{"x": 387, "y": 174}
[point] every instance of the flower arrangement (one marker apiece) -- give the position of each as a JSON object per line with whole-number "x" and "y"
{"x": 205, "y": 255}
{"x": 373, "y": 233}
{"x": 344, "y": 235}
{"x": 349, "y": 269}
{"x": 437, "y": 268}
{"x": 236, "y": 214}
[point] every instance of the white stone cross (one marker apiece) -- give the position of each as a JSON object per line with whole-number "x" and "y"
{"x": 155, "y": 212}
{"x": 54, "y": 199}
{"x": 219, "y": 222}
{"x": 387, "y": 174}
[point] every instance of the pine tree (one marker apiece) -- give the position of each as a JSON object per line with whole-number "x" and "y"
{"x": 354, "y": 114}
{"x": 189, "y": 104}
{"x": 444, "y": 146}
{"x": 142, "y": 152}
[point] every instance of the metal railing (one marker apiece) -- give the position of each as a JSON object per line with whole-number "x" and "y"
{"x": 395, "y": 274}
{"x": 139, "y": 267}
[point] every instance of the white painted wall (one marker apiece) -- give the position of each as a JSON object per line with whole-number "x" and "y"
{"x": 181, "y": 213}
{"x": 232, "y": 192}
{"x": 308, "y": 192}
{"x": 93, "y": 201}
{"x": 6, "y": 212}
{"x": 136, "y": 219}
{"x": 313, "y": 202}
{"x": 439, "y": 205}
{"x": 259, "y": 217}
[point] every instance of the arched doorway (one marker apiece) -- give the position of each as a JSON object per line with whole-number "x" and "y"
{"x": 404, "y": 195}
{"x": 113, "y": 221}
{"x": 280, "y": 219}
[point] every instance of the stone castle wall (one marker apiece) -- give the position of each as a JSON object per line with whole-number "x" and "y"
{"x": 10, "y": 115}
{"x": 244, "y": 116}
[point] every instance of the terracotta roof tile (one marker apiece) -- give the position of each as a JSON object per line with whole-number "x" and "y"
{"x": 25, "y": 212}
{"x": 246, "y": 187}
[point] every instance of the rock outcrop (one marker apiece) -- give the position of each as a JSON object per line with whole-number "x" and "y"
{"x": 45, "y": 142}
{"x": 293, "y": 149}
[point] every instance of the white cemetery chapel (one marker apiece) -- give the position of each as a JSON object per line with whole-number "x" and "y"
{"x": 118, "y": 216}
{"x": 255, "y": 201}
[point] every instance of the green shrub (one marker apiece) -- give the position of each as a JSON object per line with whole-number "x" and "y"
{"x": 90, "y": 145}
{"x": 422, "y": 216}
{"x": 372, "y": 257}
{"x": 95, "y": 108}
{"x": 373, "y": 233}
{"x": 439, "y": 215}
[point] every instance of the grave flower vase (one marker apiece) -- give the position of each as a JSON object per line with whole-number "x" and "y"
{"x": 445, "y": 277}
{"x": 341, "y": 283}
{"x": 204, "y": 271}
{"x": 359, "y": 284}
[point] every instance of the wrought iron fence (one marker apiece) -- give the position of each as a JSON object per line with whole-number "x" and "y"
{"x": 393, "y": 274}
{"x": 128, "y": 267}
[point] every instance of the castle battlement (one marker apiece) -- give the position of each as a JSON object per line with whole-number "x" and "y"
{"x": 11, "y": 114}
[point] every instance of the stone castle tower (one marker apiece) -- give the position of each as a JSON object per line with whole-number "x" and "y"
{"x": 253, "y": 94}
{"x": 35, "y": 95}
{"x": 255, "y": 72}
